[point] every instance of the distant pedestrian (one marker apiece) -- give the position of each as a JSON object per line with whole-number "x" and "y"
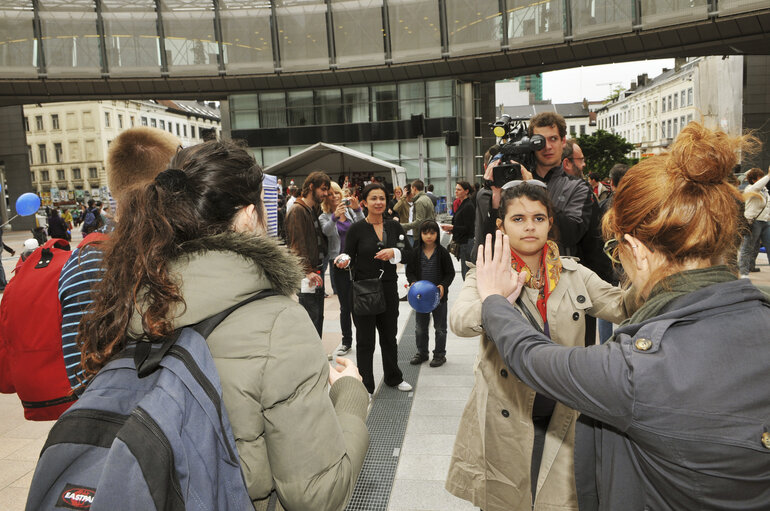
{"x": 3, "y": 281}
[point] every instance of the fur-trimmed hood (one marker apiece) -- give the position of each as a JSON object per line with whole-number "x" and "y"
{"x": 219, "y": 271}
{"x": 280, "y": 266}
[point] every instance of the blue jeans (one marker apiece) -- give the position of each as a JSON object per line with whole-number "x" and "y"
{"x": 314, "y": 305}
{"x": 341, "y": 279}
{"x": 421, "y": 330}
{"x": 605, "y": 330}
{"x": 760, "y": 231}
{"x": 465, "y": 256}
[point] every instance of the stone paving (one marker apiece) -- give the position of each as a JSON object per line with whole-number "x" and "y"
{"x": 438, "y": 401}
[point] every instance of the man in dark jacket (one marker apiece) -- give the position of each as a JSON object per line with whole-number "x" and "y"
{"x": 305, "y": 238}
{"x": 570, "y": 198}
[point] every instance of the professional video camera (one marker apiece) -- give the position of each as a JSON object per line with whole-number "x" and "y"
{"x": 516, "y": 149}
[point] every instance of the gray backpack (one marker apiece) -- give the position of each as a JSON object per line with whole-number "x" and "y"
{"x": 149, "y": 433}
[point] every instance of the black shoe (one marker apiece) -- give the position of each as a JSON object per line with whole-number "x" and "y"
{"x": 343, "y": 349}
{"x": 438, "y": 361}
{"x": 754, "y": 270}
{"x": 418, "y": 359}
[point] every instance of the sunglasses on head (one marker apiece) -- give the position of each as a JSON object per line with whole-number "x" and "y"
{"x": 517, "y": 182}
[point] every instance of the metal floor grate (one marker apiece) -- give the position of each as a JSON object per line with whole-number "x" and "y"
{"x": 387, "y": 424}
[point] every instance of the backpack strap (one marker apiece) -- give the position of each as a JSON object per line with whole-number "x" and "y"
{"x": 147, "y": 359}
{"x": 93, "y": 237}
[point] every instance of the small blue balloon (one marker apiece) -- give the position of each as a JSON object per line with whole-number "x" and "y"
{"x": 424, "y": 296}
{"x": 763, "y": 249}
{"x": 27, "y": 204}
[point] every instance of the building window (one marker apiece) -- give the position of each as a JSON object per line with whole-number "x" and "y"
{"x": 184, "y": 129}
{"x": 681, "y": 98}
{"x": 669, "y": 103}
{"x": 689, "y": 96}
{"x": 120, "y": 121}
{"x": 177, "y": 130}
{"x": 44, "y": 175}
{"x": 572, "y": 130}
{"x": 676, "y": 127}
{"x": 76, "y": 174}
{"x": 689, "y": 119}
{"x": 144, "y": 121}
{"x": 385, "y": 103}
{"x": 133, "y": 121}
{"x": 39, "y": 122}
{"x": 582, "y": 129}
{"x": 60, "y": 175}
{"x": 93, "y": 173}
{"x": 676, "y": 101}
{"x": 57, "y": 152}
{"x": 170, "y": 127}
{"x": 192, "y": 131}
{"x": 162, "y": 125}
{"x": 26, "y": 123}
{"x": 154, "y": 123}
{"x": 42, "y": 153}
{"x": 106, "y": 119}
{"x": 355, "y": 104}
{"x": 29, "y": 154}
{"x": 55, "y": 121}
{"x": 668, "y": 124}
{"x": 34, "y": 178}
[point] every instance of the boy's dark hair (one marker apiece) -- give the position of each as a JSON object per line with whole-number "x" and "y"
{"x": 595, "y": 176}
{"x": 91, "y": 203}
{"x": 429, "y": 226}
{"x": 430, "y": 187}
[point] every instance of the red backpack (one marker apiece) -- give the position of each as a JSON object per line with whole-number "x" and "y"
{"x": 31, "y": 359}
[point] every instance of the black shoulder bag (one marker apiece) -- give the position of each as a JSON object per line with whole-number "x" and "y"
{"x": 368, "y": 294}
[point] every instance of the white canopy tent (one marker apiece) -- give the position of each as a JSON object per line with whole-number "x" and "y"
{"x": 335, "y": 160}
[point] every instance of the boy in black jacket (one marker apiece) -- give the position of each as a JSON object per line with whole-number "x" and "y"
{"x": 430, "y": 261}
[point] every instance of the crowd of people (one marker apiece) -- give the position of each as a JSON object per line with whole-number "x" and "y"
{"x": 658, "y": 414}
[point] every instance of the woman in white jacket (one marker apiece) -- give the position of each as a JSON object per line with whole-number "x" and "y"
{"x": 757, "y": 213}
{"x": 338, "y": 215}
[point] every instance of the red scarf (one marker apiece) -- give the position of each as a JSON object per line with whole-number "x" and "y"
{"x": 545, "y": 278}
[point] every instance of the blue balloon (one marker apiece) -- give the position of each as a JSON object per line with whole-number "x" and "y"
{"x": 27, "y": 204}
{"x": 763, "y": 249}
{"x": 424, "y": 296}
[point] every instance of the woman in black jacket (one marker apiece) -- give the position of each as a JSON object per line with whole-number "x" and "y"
{"x": 463, "y": 224}
{"x": 375, "y": 245}
{"x": 57, "y": 227}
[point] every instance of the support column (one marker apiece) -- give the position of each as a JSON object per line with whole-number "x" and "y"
{"x": 15, "y": 160}
{"x": 756, "y": 107}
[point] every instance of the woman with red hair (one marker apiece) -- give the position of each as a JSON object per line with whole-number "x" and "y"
{"x": 679, "y": 394}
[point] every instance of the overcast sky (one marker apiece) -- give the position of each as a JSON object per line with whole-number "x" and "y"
{"x": 595, "y": 83}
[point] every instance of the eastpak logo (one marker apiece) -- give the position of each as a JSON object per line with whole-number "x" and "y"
{"x": 76, "y": 497}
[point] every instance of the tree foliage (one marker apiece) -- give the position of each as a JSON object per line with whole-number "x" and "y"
{"x": 602, "y": 150}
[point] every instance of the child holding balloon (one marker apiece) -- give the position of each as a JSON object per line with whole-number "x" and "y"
{"x": 430, "y": 262}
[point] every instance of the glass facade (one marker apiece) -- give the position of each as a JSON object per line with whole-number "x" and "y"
{"x": 658, "y": 14}
{"x": 375, "y": 120}
{"x": 18, "y": 48}
{"x": 152, "y": 38}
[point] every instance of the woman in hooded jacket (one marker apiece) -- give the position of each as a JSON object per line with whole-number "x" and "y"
{"x": 194, "y": 243}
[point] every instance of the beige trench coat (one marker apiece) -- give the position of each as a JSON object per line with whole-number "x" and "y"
{"x": 490, "y": 465}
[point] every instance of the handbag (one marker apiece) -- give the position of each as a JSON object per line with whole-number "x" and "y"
{"x": 368, "y": 296}
{"x": 454, "y": 249}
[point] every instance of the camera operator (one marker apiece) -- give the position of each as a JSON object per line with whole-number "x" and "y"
{"x": 570, "y": 198}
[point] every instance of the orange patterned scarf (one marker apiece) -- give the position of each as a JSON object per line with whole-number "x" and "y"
{"x": 545, "y": 278}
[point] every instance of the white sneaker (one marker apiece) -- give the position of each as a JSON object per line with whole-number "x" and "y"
{"x": 404, "y": 387}
{"x": 744, "y": 276}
